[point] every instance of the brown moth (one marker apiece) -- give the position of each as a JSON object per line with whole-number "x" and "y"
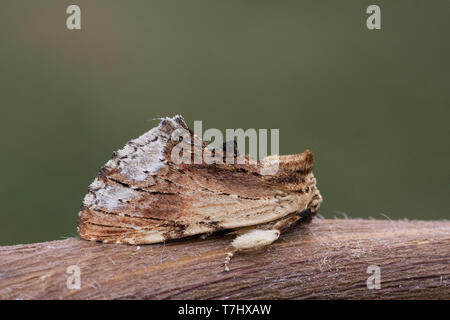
{"x": 142, "y": 195}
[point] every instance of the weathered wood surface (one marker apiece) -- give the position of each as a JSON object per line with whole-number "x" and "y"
{"x": 326, "y": 259}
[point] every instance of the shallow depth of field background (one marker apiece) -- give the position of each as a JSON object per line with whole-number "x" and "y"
{"x": 373, "y": 106}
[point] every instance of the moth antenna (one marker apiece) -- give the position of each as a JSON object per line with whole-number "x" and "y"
{"x": 230, "y": 255}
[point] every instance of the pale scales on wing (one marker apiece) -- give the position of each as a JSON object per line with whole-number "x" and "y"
{"x": 141, "y": 196}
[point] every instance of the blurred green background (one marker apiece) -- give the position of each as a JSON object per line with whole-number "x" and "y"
{"x": 373, "y": 106}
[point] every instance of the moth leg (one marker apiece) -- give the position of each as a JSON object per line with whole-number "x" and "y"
{"x": 286, "y": 223}
{"x": 251, "y": 240}
{"x": 206, "y": 235}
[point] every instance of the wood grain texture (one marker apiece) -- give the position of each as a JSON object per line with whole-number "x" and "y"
{"x": 326, "y": 259}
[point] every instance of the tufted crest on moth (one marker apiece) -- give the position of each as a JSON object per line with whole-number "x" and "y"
{"x": 302, "y": 162}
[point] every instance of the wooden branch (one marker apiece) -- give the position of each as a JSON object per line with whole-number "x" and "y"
{"x": 326, "y": 259}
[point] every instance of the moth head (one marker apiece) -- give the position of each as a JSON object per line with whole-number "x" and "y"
{"x": 294, "y": 172}
{"x": 289, "y": 164}
{"x": 302, "y": 162}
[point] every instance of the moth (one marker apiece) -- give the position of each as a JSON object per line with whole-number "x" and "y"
{"x": 143, "y": 196}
